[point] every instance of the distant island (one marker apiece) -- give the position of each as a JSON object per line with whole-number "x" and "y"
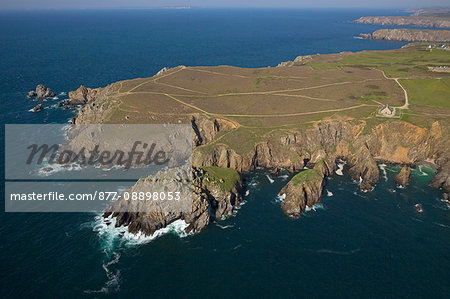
{"x": 304, "y": 116}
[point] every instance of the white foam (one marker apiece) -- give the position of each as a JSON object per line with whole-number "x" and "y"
{"x": 284, "y": 176}
{"x": 270, "y": 179}
{"x": 224, "y": 226}
{"x": 383, "y": 169}
{"x": 110, "y": 233}
{"x": 317, "y": 206}
{"x": 113, "y": 282}
{"x": 281, "y": 198}
{"x": 178, "y": 227}
{"x": 62, "y": 93}
{"x": 422, "y": 173}
{"x": 340, "y": 169}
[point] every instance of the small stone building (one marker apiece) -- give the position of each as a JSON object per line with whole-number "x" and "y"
{"x": 386, "y": 110}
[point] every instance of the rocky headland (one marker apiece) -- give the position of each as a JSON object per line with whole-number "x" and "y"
{"x": 418, "y": 21}
{"x": 218, "y": 166}
{"x": 409, "y": 35}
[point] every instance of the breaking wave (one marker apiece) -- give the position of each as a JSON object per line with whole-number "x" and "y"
{"x": 314, "y": 208}
{"x": 383, "y": 169}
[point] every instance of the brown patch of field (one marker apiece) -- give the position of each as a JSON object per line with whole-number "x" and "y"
{"x": 159, "y": 87}
{"x": 370, "y": 92}
{"x": 262, "y": 104}
{"x": 153, "y": 103}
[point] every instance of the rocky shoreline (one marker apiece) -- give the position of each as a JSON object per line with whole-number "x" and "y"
{"x": 419, "y": 21}
{"x": 318, "y": 147}
{"x": 409, "y": 35}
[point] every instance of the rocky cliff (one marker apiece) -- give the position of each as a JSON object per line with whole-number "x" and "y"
{"x": 82, "y": 95}
{"x": 392, "y": 142}
{"x": 409, "y": 35}
{"x": 403, "y": 177}
{"x": 419, "y": 21}
{"x": 215, "y": 194}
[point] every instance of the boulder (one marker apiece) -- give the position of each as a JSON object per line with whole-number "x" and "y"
{"x": 419, "y": 208}
{"x": 63, "y": 103}
{"x": 37, "y": 108}
{"x": 31, "y": 94}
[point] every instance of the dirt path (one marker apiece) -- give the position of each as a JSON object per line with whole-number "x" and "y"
{"x": 406, "y": 104}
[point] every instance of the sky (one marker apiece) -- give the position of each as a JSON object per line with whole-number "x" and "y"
{"x": 95, "y": 4}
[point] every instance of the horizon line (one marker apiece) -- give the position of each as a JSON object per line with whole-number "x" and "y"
{"x": 188, "y": 7}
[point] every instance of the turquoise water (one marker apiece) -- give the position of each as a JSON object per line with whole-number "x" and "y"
{"x": 355, "y": 244}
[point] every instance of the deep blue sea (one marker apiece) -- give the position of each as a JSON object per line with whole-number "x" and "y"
{"x": 365, "y": 245}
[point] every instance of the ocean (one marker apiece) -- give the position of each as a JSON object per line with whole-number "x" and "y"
{"x": 352, "y": 244}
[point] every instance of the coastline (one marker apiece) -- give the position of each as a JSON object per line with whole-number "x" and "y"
{"x": 391, "y": 141}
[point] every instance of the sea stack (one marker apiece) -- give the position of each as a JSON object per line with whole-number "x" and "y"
{"x": 403, "y": 177}
{"x": 41, "y": 92}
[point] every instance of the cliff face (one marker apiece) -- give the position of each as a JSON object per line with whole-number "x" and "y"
{"x": 304, "y": 190}
{"x": 319, "y": 147}
{"x": 394, "y": 141}
{"x": 212, "y": 198}
{"x": 96, "y": 103}
{"x": 410, "y": 35}
{"x": 419, "y": 21}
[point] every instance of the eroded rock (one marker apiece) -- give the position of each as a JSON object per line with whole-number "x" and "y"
{"x": 403, "y": 177}
{"x": 41, "y": 92}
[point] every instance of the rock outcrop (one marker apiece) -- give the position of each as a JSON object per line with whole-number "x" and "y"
{"x": 41, "y": 92}
{"x": 303, "y": 190}
{"x": 442, "y": 178}
{"x": 37, "y": 108}
{"x": 409, "y": 35}
{"x": 403, "y": 177}
{"x": 215, "y": 194}
{"x": 82, "y": 95}
{"x": 419, "y": 21}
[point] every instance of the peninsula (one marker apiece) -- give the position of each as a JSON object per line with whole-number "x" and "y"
{"x": 410, "y": 35}
{"x": 420, "y": 18}
{"x": 304, "y": 116}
